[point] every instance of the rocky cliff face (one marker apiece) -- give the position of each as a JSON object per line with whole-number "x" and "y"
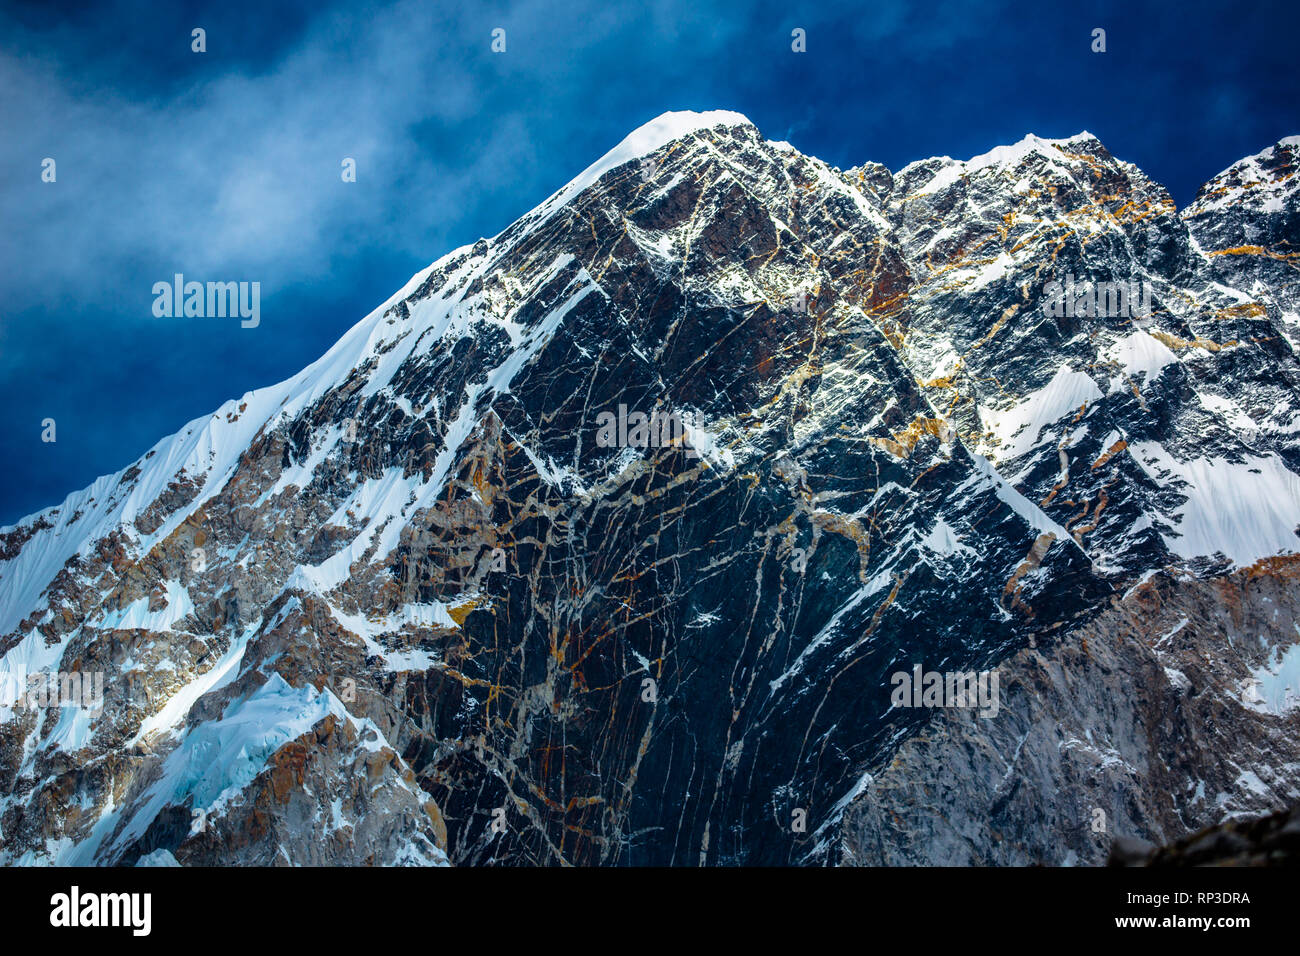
{"x": 603, "y": 540}
{"x": 1272, "y": 840}
{"x": 1140, "y": 725}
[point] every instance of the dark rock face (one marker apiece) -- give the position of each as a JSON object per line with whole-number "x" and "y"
{"x": 1133, "y": 728}
{"x": 412, "y": 606}
{"x": 1273, "y": 840}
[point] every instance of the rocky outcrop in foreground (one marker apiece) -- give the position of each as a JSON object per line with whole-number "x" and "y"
{"x": 1273, "y": 840}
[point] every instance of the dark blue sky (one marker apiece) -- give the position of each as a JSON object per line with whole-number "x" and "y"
{"x": 225, "y": 165}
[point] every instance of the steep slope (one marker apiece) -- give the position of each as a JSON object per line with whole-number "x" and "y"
{"x": 1179, "y": 426}
{"x": 1174, "y": 709}
{"x": 413, "y": 605}
{"x": 1166, "y": 443}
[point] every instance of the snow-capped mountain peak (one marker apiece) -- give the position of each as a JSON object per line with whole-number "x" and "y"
{"x": 957, "y": 416}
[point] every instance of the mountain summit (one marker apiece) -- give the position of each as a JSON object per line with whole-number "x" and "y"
{"x": 457, "y": 592}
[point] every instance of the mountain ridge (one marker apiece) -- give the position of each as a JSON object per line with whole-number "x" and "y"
{"x": 468, "y": 541}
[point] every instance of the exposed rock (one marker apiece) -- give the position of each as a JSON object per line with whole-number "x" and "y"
{"x": 409, "y": 606}
{"x": 1273, "y": 840}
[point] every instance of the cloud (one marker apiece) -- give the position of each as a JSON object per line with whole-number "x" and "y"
{"x": 225, "y": 165}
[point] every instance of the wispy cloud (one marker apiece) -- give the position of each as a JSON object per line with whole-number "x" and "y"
{"x": 225, "y": 165}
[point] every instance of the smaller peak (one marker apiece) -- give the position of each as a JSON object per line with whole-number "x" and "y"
{"x": 1264, "y": 182}
{"x": 949, "y": 170}
{"x": 1266, "y": 155}
{"x": 1082, "y": 136}
{"x": 1083, "y": 143}
{"x": 1030, "y": 143}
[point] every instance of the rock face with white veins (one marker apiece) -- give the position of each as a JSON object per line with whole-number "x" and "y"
{"x": 406, "y": 608}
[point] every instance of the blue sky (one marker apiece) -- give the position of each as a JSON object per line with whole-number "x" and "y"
{"x": 225, "y": 165}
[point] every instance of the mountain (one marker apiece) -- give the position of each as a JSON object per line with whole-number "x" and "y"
{"x": 608, "y": 540}
{"x": 1273, "y": 840}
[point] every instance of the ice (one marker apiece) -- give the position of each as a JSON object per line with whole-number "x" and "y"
{"x": 217, "y": 759}
{"x": 157, "y": 858}
{"x": 137, "y": 615}
{"x": 657, "y": 133}
{"x": 1140, "y": 354}
{"x": 1278, "y": 687}
{"x": 1247, "y": 510}
{"x": 943, "y": 541}
{"x": 1018, "y": 428}
{"x": 223, "y": 672}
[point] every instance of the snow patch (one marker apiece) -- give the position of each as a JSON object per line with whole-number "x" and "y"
{"x": 1017, "y": 428}
{"x": 1247, "y": 510}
